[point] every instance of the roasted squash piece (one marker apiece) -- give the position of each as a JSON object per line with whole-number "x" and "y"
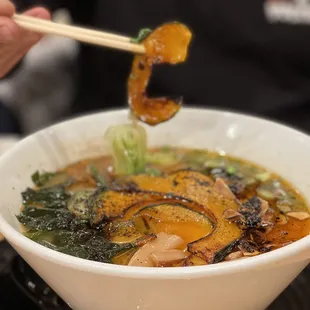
{"x": 182, "y": 183}
{"x": 166, "y": 44}
{"x": 174, "y": 219}
{"x": 122, "y": 232}
{"x": 199, "y": 188}
{"x": 111, "y": 204}
{"x": 193, "y": 260}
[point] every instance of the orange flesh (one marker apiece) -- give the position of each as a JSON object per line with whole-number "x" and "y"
{"x": 189, "y": 230}
{"x": 167, "y": 44}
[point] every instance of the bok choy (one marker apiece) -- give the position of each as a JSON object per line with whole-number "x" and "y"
{"x": 128, "y": 146}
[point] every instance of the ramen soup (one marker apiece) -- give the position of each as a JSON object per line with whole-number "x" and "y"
{"x": 163, "y": 207}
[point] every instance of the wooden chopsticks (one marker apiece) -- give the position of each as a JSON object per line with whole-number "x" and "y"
{"x": 78, "y": 33}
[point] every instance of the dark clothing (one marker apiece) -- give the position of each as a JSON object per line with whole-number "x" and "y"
{"x": 8, "y": 121}
{"x": 237, "y": 60}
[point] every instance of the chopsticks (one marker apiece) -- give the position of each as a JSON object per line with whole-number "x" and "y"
{"x": 78, "y": 33}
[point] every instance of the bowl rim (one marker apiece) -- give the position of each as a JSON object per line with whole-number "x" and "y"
{"x": 277, "y": 257}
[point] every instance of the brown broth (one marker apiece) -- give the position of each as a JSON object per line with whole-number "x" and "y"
{"x": 292, "y": 231}
{"x": 169, "y": 160}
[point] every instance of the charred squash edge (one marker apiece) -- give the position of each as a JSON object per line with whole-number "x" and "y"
{"x": 170, "y": 198}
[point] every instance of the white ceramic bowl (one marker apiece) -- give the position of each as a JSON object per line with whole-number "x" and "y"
{"x": 252, "y": 283}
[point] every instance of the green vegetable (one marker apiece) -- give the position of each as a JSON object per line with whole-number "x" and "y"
{"x": 215, "y": 163}
{"x": 263, "y": 177}
{"x": 249, "y": 181}
{"x": 99, "y": 178}
{"x": 128, "y": 145}
{"x": 143, "y": 33}
{"x": 78, "y": 204}
{"x": 162, "y": 158}
{"x": 196, "y": 158}
{"x": 265, "y": 194}
{"x": 271, "y": 189}
{"x": 49, "y": 179}
{"x": 40, "y": 179}
{"x": 153, "y": 172}
{"x": 52, "y": 197}
{"x": 231, "y": 170}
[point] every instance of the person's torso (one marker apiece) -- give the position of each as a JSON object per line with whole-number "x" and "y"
{"x": 237, "y": 60}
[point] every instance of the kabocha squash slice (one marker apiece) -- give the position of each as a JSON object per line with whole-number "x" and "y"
{"x": 166, "y": 44}
{"x": 111, "y": 204}
{"x": 172, "y": 218}
{"x": 193, "y": 260}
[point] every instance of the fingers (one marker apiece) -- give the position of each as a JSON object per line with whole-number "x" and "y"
{"x": 6, "y": 8}
{"x": 38, "y": 12}
{"x": 15, "y": 42}
{"x": 9, "y": 31}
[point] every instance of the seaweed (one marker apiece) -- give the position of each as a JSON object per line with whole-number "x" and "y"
{"x": 52, "y": 197}
{"x": 46, "y": 219}
{"x": 251, "y": 210}
{"x": 84, "y": 243}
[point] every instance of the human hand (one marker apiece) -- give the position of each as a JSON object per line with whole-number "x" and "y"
{"x": 15, "y": 42}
